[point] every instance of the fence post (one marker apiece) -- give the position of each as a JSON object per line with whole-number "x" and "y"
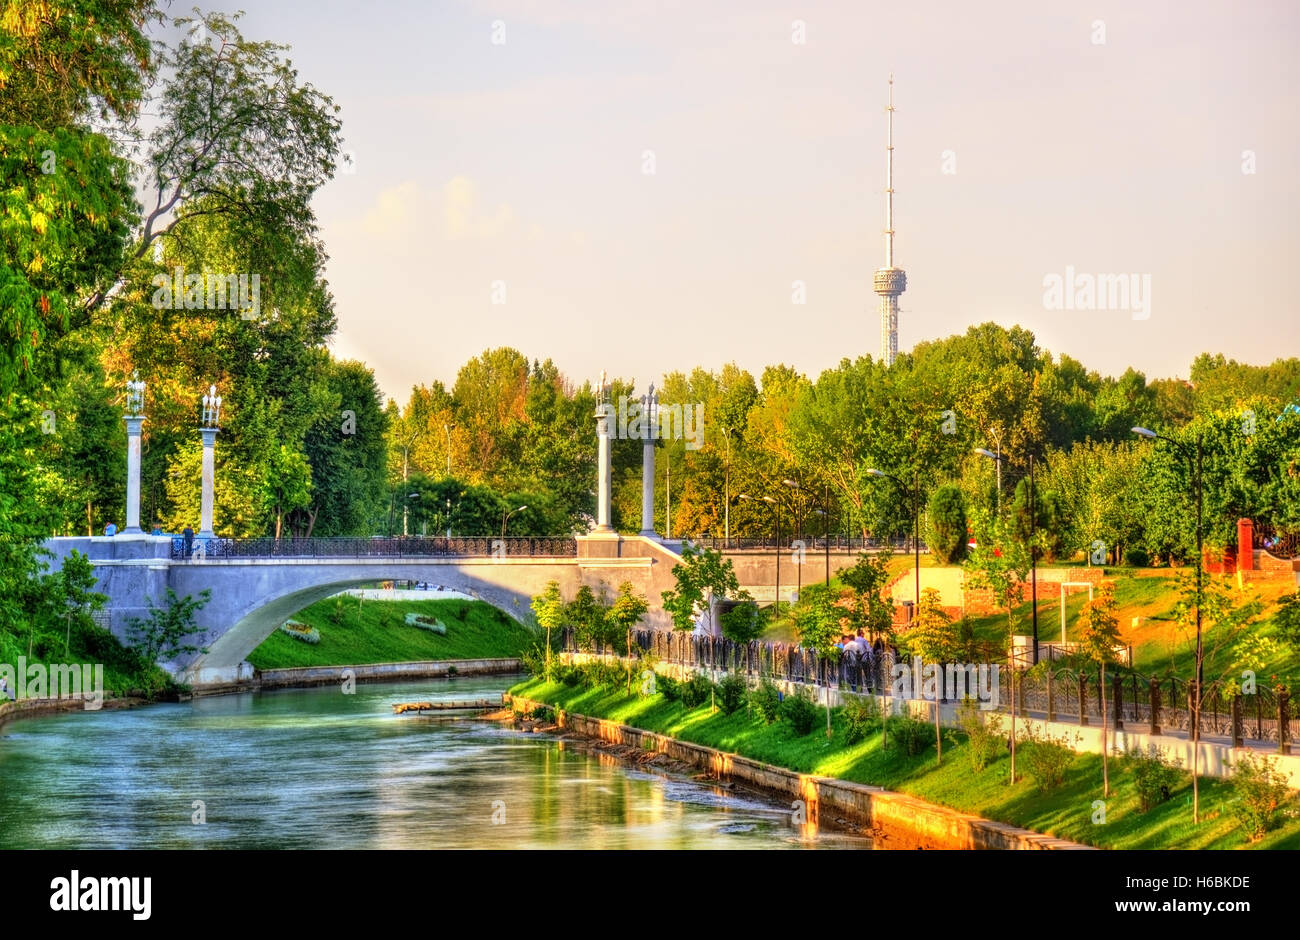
{"x": 1117, "y": 702}
{"x": 1083, "y": 698}
{"x": 1236, "y": 721}
{"x": 1283, "y": 722}
{"x": 1020, "y": 695}
{"x": 1155, "y": 706}
{"x": 1051, "y": 697}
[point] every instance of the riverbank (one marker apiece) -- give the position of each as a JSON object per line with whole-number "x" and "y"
{"x": 892, "y": 820}
{"x": 1068, "y": 810}
{"x": 40, "y": 707}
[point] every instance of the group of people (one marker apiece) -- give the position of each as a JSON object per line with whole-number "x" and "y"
{"x": 858, "y": 650}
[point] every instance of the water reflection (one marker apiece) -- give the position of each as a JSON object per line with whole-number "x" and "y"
{"x": 319, "y": 769}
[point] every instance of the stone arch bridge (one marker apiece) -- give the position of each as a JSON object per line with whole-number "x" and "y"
{"x": 256, "y": 584}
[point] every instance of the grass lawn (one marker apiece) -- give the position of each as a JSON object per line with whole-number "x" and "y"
{"x": 1065, "y": 812}
{"x": 375, "y": 632}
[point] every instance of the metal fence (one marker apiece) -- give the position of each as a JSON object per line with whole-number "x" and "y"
{"x": 401, "y": 546}
{"x": 1135, "y": 702}
{"x": 838, "y": 543}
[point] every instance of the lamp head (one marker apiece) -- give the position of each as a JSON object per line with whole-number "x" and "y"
{"x": 1145, "y": 432}
{"x": 984, "y": 452}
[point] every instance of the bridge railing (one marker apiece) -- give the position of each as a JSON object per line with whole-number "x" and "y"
{"x": 838, "y": 543}
{"x": 400, "y": 546}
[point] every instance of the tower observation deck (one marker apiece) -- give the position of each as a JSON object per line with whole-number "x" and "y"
{"x": 889, "y": 281}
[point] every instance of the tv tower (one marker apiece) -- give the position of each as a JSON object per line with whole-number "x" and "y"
{"x": 889, "y": 281}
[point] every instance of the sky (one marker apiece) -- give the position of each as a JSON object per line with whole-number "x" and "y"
{"x": 641, "y": 186}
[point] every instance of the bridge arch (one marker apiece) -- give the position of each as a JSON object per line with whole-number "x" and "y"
{"x": 252, "y": 597}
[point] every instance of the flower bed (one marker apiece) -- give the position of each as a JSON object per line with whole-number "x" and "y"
{"x": 300, "y": 631}
{"x": 431, "y": 624}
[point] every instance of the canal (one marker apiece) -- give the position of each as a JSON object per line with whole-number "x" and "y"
{"x": 315, "y": 768}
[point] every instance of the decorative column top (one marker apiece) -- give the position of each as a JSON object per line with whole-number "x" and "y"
{"x": 212, "y": 409}
{"x": 135, "y": 396}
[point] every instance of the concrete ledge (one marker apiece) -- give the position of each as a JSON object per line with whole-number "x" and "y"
{"x": 327, "y": 675}
{"x": 897, "y": 819}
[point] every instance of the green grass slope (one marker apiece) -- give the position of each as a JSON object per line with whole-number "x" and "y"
{"x": 375, "y": 632}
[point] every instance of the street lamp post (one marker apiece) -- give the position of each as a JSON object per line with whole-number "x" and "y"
{"x": 447, "y": 427}
{"x": 505, "y": 520}
{"x": 726, "y": 491}
{"x": 799, "y": 563}
{"x": 1033, "y": 533}
{"x": 916, "y": 522}
{"x": 1195, "y": 466}
{"x": 776, "y": 603}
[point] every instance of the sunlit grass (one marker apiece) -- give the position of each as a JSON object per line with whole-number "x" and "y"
{"x": 1067, "y": 812}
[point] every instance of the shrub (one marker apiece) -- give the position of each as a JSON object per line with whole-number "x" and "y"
{"x": 731, "y": 693}
{"x": 800, "y": 710}
{"x": 1259, "y": 791}
{"x": 744, "y": 622}
{"x": 913, "y": 734}
{"x": 1155, "y": 773}
{"x": 336, "y": 615}
{"x": 1137, "y": 557}
{"x": 861, "y": 717}
{"x": 567, "y": 673}
{"x": 670, "y": 687}
{"x": 764, "y": 700}
{"x": 1048, "y": 757}
{"x": 300, "y": 631}
{"x": 984, "y": 736}
{"x": 696, "y": 690}
{"x": 601, "y": 673}
{"x": 533, "y": 660}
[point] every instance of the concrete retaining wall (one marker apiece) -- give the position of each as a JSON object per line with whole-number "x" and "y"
{"x": 896, "y": 820}
{"x": 328, "y": 675}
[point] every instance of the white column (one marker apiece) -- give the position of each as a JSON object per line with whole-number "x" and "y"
{"x": 209, "y": 472}
{"x": 603, "y": 470}
{"x": 648, "y": 488}
{"x": 133, "y": 424}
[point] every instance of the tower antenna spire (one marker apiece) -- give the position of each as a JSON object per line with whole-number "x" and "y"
{"x": 889, "y": 281}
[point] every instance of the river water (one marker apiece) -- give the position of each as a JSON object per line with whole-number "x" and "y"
{"x": 316, "y": 768}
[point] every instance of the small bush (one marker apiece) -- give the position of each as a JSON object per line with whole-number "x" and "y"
{"x": 1259, "y": 791}
{"x": 696, "y": 690}
{"x": 533, "y": 660}
{"x": 670, "y": 688}
{"x": 861, "y": 717}
{"x": 984, "y": 737}
{"x": 601, "y": 674}
{"x": 567, "y": 673}
{"x": 764, "y": 700}
{"x": 731, "y": 693}
{"x": 1155, "y": 774}
{"x": 1137, "y": 558}
{"x": 1048, "y": 757}
{"x": 912, "y": 734}
{"x": 800, "y": 710}
{"x": 337, "y": 614}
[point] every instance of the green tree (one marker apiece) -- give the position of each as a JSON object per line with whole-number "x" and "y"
{"x": 623, "y": 615}
{"x": 549, "y": 609}
{"x": 702, "y": 575}
{"x": 167, "y": 631}
{"x": 947, "y": 536}
{"x": 1098, "y": 638}
{"x": 936, "y": 639}
{"x": 872, "y": 609}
